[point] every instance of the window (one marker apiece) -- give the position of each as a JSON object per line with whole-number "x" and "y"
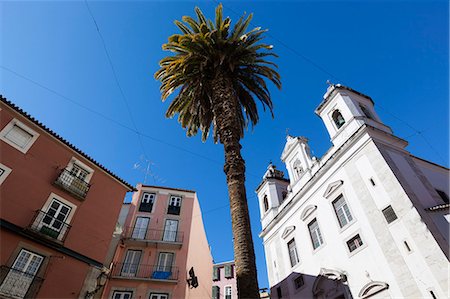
{"x": 342, "y": 211}
{"x": 316, "y": 236}
{"x": 339, "y": 121}
{"x": 298, "y": 169}
{"x": 122, "y": 295}
{"x": 216, "y": 273}
{"x": 140, "y": 228}
{"x": 227, "y": 292}
{"x": 266, "y": 203}
{"x": 131, "y": 263}
{"x": 215, "y": 292}
{"x": 147, "y": 201}
{"x": 4, "y": 172}
{"x": 389, "y": 214}
{"x": 293, "y": 256}
{"x": 354, "y": 243}
{"x": 174, "y": 205}
{"x": 18, "y": 135}
{"x": 299, "y": 282}
{"x": 21, "y": 275}
{"x": 170, "y": 230}
{"x": 54, "y": 218}
{"x": 164, "y": 268}
{"x": 443, "y": 195}
{"x": 228, "y": 269}
{"x": 159, "y": 296}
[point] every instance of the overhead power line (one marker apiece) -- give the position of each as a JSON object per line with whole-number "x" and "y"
{"x": 325, "y": 71}
{"x": 116, "y": 78}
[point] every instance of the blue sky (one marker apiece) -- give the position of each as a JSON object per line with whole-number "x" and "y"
{"x": 53, "y": 64}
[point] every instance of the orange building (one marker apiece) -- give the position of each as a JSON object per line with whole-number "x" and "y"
{"x": 163, "y": 252}
{"x": 59, "y": 209}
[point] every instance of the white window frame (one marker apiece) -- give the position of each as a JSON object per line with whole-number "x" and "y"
{"x": 321, "y": 240}
{"x": 158, "y": 295}
{"x": 351, "y": 236}
{"x": 83, "y": 166}
{"x": 17, "y": 123}
{"x": 349, "y": 222}
{"x": 162, "y": 266}
{"x": 142, "y": 199}
{"x": 123, "y": 291}
{"x": 297, "y": 259}
{"x": 39, "y": 221}
{"x": 5, "y": 173}
{"x": 17, "y": 274}
{"x": 140, "y": 233}
{"x": 170, "y": 235}
{"x": 175, "y": 197}
{"x": 225, "y": 288}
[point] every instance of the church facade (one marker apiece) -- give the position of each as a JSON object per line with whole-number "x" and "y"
{"x": 366, "y": 220}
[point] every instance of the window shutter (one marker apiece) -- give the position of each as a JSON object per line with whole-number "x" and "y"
{"x": 228, "y": 272}
{"x": 215, "y": 292}
{"x": 216, "y": 274}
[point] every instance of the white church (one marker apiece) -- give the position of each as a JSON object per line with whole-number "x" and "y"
{"x": 366, "y": 220}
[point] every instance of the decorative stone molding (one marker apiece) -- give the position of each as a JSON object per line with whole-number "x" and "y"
{"x": 288, "y": 230}
{"x": 332, "y": 187}
{"x": 372, "y": 288}
{"x": 307, "y": 211}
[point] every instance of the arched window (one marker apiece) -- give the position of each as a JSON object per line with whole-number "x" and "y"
{"x": 266, "y": 203}
{"x": 338, "y": 119}
{"x": 298, "y": 169}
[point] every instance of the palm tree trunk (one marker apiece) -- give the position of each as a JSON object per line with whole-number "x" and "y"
{"x": 226, "y": 108}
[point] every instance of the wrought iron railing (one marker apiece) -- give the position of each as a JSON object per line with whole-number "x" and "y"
{"x": 72, "y": 183}
{"x": 128, "y": 270}
{"x": 48, "y": 225}
{"x": 18, "y": 284}
{"x": 153, "y": 235}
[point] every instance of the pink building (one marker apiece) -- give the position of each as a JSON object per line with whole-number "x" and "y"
{"x": 59, "y": 208}
{"x": 224, "y": 281}
{"x": 163, "y": 252}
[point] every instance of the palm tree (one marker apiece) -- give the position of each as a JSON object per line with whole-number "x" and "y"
{"x": 219, "y": 72}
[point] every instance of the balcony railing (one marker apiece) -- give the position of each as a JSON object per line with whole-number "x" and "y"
{"x": 154, "y": 235}
{"x": 146, "y": 272}
{"x": 18, "y": 284}
{"x": 50, "y": 226}
{"x": 73, "y": 184}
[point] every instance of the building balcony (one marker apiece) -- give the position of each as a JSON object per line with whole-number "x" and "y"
{"x": 148, "y": 237}
{"x": 48, "y": 226}
{"x": 145, "y": 272}
{"x": 72, "y": 184}
{"x": 18, "y": 284}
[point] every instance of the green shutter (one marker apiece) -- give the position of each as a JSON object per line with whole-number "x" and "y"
{"x": 215, "y": 292}
{"x": 216, "y": 273}
{"x": 228, "y": 272}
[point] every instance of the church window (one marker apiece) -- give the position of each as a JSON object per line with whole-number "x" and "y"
{"x": 316, "y": 236}
{"x": 298, "y": 169}
{"x": 354, "y": 243}
{"x": 338, "y": 119}
{"x": 342, "y": 211}
{"x": 389, "y": 214}
{"x": 266, "y": 203}
{"x": 293, "y": 255}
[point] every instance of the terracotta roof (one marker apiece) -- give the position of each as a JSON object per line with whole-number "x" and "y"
{"x": 437, "y": 208}
{"x": 55, "y": 135}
